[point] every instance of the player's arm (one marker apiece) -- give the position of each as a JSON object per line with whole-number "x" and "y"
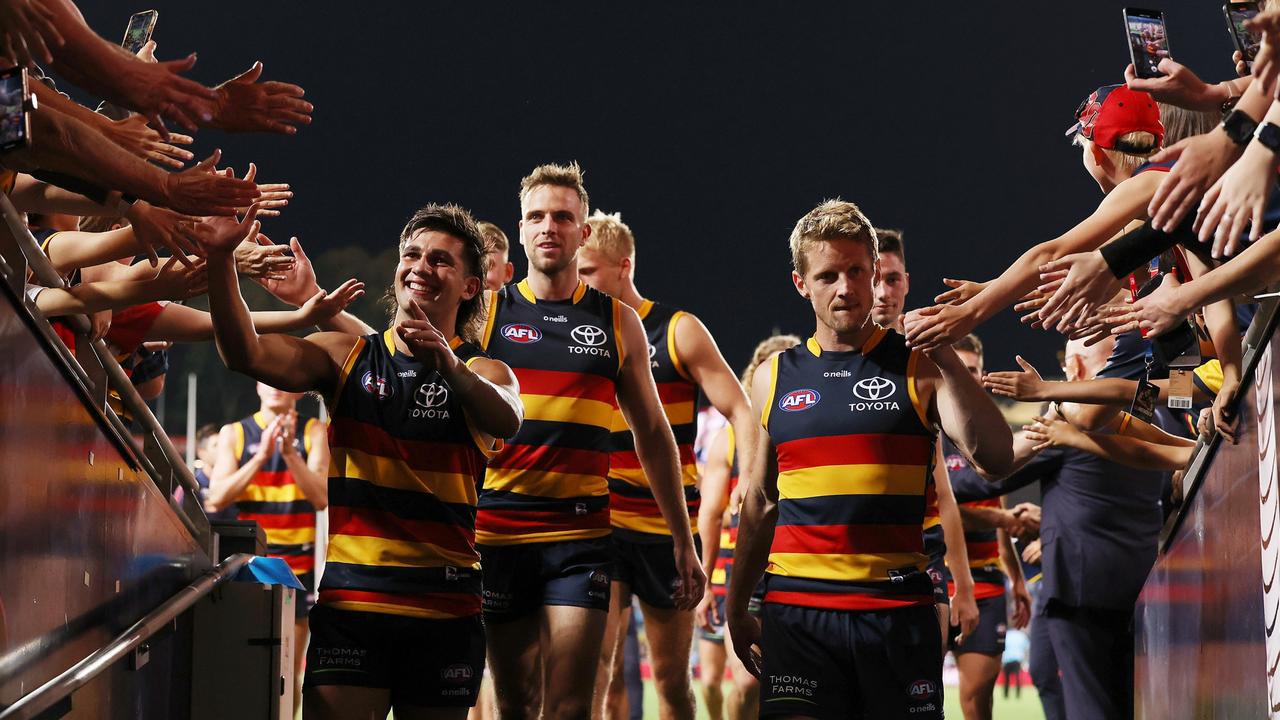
{"x": 701, "y": 356}
{"x": 986, "y": 518}
{"x": 656, "y": 447}
{"x": 964, "y": 609}
{"x": 490, "y": 395}
{"x": 1021, "y": 614}
{"x": 312, "y": 474}
{"x": 758, "y": 468}
{"x": 1122, "y": 449}
{"x": 715, "y": 500}
{"x": 965, "y": 411}
{"x": 228, "y": 478}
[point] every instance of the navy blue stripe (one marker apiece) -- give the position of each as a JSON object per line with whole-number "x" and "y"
{"x": 406, "y": 504}
{"x": 399, "y": 580}
{"x": 626, "y": 489}
{"x": 506, "y": 500}
{"x": 291, "y": 550}
{"x": 913, "y": 582}
{"x": 853, "y": 510}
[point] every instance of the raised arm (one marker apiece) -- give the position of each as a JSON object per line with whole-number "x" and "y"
{"x": 965, "y": 411}
{"x": 312, "y": 474}
{"x": 229, "y": 478}
{"x": 656, "y": 448}
{"x": 1130, "y": 451}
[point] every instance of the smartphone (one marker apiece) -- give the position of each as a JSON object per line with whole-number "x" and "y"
{"x": 141, "y": 25}
{"x": 1148, "y": 40}
{"x": 15, "y": 101}
{"x": 1246, "y": 42}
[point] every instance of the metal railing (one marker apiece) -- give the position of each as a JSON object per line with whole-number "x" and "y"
{"x": 73, "y": 678}
{"x": 95, "y": 374}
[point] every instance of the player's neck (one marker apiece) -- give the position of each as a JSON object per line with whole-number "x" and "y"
{"x": 558, "y": 286}
{"x": 630, "y": 295}
{"x": 833, "y": 341}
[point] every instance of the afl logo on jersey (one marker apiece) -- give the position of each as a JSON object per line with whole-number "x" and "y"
{"x": 521, "y": 333}
{"x": 956, "y": 462}
{"x": 922, "y": 690}
{"x": 874, "y": 388}
{"x": 798, "y": 400}
{"x": 376, "y": 386}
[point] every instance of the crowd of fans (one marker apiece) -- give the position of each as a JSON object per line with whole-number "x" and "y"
{"x": 563, "y": 499}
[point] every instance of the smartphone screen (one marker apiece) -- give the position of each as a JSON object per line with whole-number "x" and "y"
{"x": 139, "y": 31}
{"x": 1246, "y": 42}
{"x": 1148, "y": 41}
{"x": 14, "y": 128}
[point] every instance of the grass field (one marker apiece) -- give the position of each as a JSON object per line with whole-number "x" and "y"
{"x": 1025, "y": 708}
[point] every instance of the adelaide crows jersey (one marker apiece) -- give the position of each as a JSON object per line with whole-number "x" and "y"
{"x": 729, "y": 533}
{"x": 633, "y": 510}
{"x": 273, "y": 497}
{"x": 855, "y": 452}
{"x": 548, "y": 484}
{"x": 982, "y": 546}
{"x": 404, "y": 476}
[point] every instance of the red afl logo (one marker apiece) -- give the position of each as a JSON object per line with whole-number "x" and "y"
{"x": 798, "y": 400}
{"x": 521, "y": 333}
{"x": 376, "y": 386}
{"x": 921, "y": 690}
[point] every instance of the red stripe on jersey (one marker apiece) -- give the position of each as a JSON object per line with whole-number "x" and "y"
{"x": 980, "y": 551}
{"x": 458, "y": 604}
{"x": 624, "y": 460}
{"x": 515, "y": 522}
{"x": 987, "y": 503}
{"x": 557, "y": 383}
{"x": 931, "y": 500}
{"x": 443, "y": 457}
{"x": 273, "y": 478}
{"x": 549, "y": 458}
{"x": 299, "y": 563}
{"x": 283, "y": 521}
{"x": 380, "y": 524}
{"x": 845, "y": 601}
{"x": 847, "y": 539}
{"x": 859, "y": 449}
{"x": 981, "y": 590}
{"x": 676, "y": 392}
{"x": 640, "y": 506}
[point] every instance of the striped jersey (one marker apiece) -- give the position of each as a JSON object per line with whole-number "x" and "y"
{"x": 273, "y": 497}
{"x": 982, "y": 546}
{"x": 633, "y": 510}
{"x": 404, "y": 475}
{"x": 855, "y": 452}
{"x": 728, "y": 533}
{"x": 549, "y": 483}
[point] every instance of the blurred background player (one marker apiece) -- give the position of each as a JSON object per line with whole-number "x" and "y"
{"x": 497, "y": 251}
{"x": 895, "y": 282}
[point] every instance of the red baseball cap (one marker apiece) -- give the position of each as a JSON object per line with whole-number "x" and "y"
{"x": 1115, "y": 110}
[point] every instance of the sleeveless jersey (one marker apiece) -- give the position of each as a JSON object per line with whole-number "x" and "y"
{"x": 404, "y": 476}
{"x": 274, "y": 499}
{"x": 633, "y": 510}
{"x": 728, "y": 533}
{"x": 935, "y": 542}
{"x": 982, "y": 546}
{"x": 548, "y": 484}
{"x": 855, "y": 452}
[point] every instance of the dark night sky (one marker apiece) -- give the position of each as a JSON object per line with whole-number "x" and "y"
{"x": 711, "y": 128}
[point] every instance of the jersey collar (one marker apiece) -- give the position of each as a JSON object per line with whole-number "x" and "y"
{"x": 527, "y": 292}
{"x": 645, "y": 307}
{"x": 388, "y": 336}
{"x": 876, "y": 336}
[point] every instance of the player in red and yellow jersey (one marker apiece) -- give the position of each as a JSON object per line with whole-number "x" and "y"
{"x": 835, "y": 498}
{"x": 684, "y": 359}
{"x": 414, "y": 411}
{"x": 271, "y": 468}
{"x": 543, "y": 522}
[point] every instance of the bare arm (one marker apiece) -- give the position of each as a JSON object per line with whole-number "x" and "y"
{"x": 986, "y": 518}
{"x": 715, "y": 499}
{"x": 312, "y": 474}
{"x": 965, "y": 411}
{"x": 490, "y": 394}
{"x": 72, "y": 250}
{"x": 1125, "y": 450}
{"x": 32, "y": 195}
{"x": 229, "y": 478}
{"x": 964, "y": 609}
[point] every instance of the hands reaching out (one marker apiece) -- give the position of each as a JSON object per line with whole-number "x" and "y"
{"x": 245, "y": 105}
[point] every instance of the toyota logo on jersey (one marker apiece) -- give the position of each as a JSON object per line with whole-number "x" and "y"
{"x": 431, "y": 395}
{"x": 874, "y": 388}
{"x": 521, "y": 333}
{"x": 588, "y": 335}
{"x": 798, "y": 400}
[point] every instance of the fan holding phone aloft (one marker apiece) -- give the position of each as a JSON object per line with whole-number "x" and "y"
{"x": 1148, "y": 40}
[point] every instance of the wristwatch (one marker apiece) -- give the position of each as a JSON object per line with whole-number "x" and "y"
{"x": 1239, "y": 126}
{"x": 1269, "y": 135}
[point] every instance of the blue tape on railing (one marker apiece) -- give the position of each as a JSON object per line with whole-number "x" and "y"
{"x": 269, "y": 571}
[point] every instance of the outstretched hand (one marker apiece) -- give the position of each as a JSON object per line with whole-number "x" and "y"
{"x": 323, "y": 306}
{"x": 27, "y": 31}
{"x": 1154, "y": 314}
{"x": 937, "y": 326}
{"x": 245, "y": 105}
{"x": 201, "y": 190}
{"x": 1079, "y": 284}
{"x": 224, "y": 234}
{"x": 1024, "y": 385}
{"x": 961, "y": 291}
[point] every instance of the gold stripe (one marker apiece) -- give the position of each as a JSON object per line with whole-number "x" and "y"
{"x": 812, "y": 345}
{"x": 390, "y": 609}
{"x": 491, "y": 314}
{"x": 568, "y": 409}
{"x": 839, "y": 566}
{"x": 717, "y": 576}
{"x": 390, "y": 340}
{"x": 643, "y": 310}
{"x": 381, "y": 552}
{"x": 680, "y": 413}
{"x": 545, "y": 484}
{"x": 618, "y": 423}
{"x": 672, "y": 350}
{"x": 579, "y": 291}
{"x": 869, "y": 479}
{"x": 455, "y": 342}
{"x": 773, "y": 390}
{"x": 269, "y": 493}
{"x": 260, "y": 419}
{"x": 617, "y": 332}
{"x": 639, "y": 523}
{"x": 526, "y": 538}
{"x": 454, "y": 488}
{"x": 342, "y": 376}
{"x": 876, "y": 336}
{"x": 291, "y": 536}
{"x": 733, "y": 441}
{"x": 921, "y": 411}
{"x": 527, "y": 292}
{"x": 932, "y": 522}
{"x": 306, "y": 435}
{"x": 239, "y": 442}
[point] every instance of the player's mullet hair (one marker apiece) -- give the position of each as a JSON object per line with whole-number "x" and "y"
{"x": 831, "y": 220}
{"x": 565, "y": 176}
{"x": 611, "y": 237}
{"x": 454, "y": 221}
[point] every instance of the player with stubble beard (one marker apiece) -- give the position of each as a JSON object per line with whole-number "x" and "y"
{"x": 543, "y": 522}
{"x": 835, "y": 497}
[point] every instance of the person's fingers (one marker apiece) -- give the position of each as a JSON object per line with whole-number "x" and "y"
{"x": 1022, "y": 363}
{"x": 249, "y": 76}
{"x": 251, "y": 173}
{"x": 1240, "y": 219}
{"x": 275, "y": 87}
{"x": 1130, "y": 76}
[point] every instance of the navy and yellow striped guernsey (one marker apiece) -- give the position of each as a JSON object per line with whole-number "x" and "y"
{"x": 633, "y": 510}
{"x": 729, "y": 532}
{"x": 855, "y": 452}
{"x": 548, "y": 484}
{"x": 404, "y": 479}
{"x": 273, "y": 497}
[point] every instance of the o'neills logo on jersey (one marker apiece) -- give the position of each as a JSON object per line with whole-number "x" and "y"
{"x": 589, "y": 339}
{"x": 376, "y": 386}
{"x": 798, "y": 400}
{"x": 521, "y": 333}
{"x": 873, "y": 394}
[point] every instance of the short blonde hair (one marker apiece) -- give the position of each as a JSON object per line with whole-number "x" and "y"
{"x": 831, "y": 220}
{"x": 494, "y": 239}
{"x": 1127, "y": 161}
{"x": 765, "y": 350}
{"x": 611, "y": 237}
{"x": 565, "y": 176}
